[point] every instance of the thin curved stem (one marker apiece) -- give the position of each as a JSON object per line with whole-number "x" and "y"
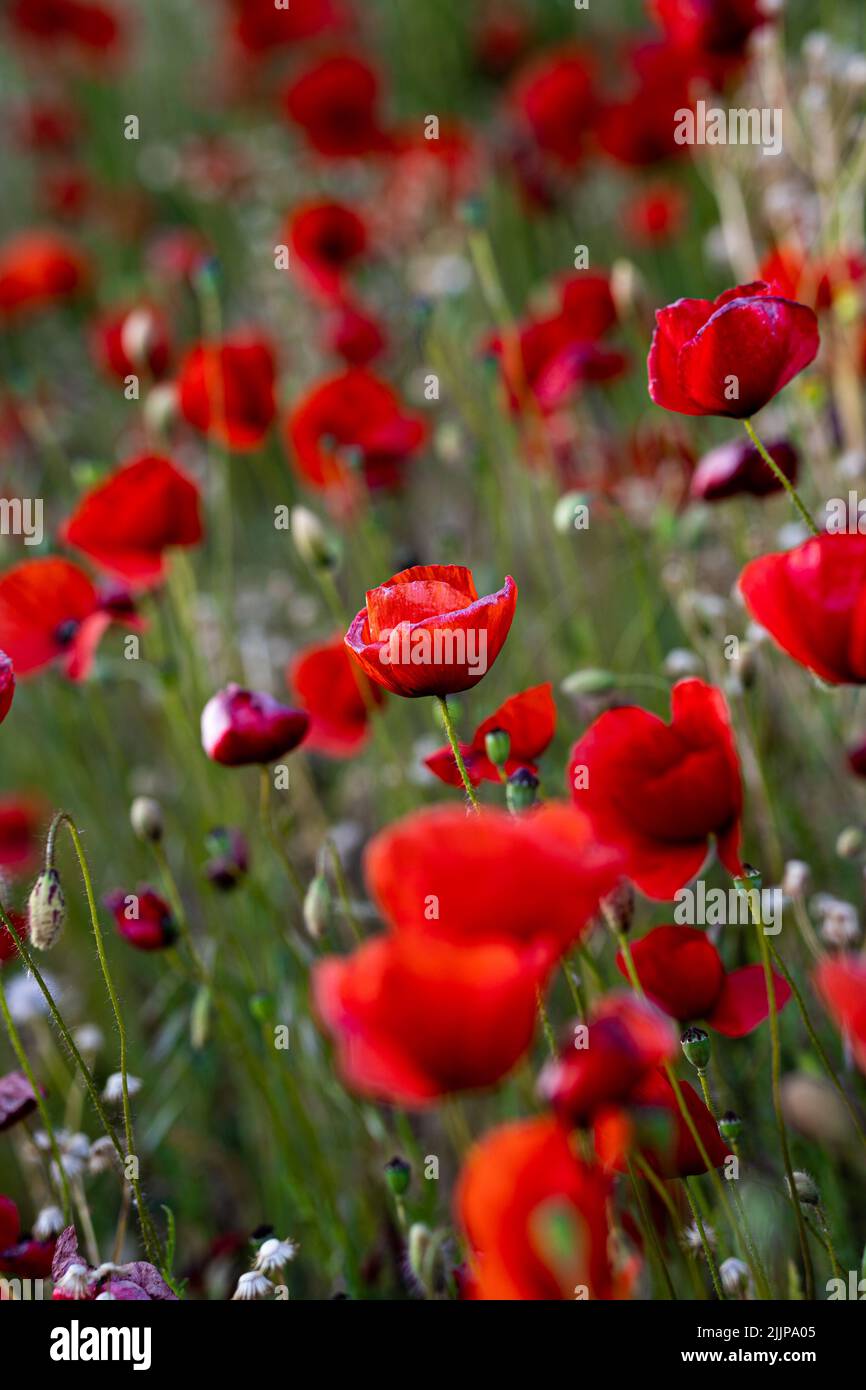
{"x": 448, "y": 722}
{"x": 785, "y": 482}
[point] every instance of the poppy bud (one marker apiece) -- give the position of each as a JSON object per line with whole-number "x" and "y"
{"x": 497, "y": 746}
{"x": 696, "y": 1046}
{"x": 589, "y": 682}
{"x": 229, "y": 859}
{"x": 397, "y": 1175}
{"x": 805, "y": 1189}
{"x": 795, "y": 879}
{"x": 735, "y": 1277}
{"x": 567, "y": 510}
{"x": 521, "y": 790}
{"x": 46, "y": 910}
{"x": 145, "y": 817}
{"x": 317, "y": 906}
{"x": 849, "y": 843}
{"x": 618, "y": 906}
{"x": 418, "y": 1252}
{"x": 730, "y": 1126}
{"x": 312, "y": 541}
{"x": 239, "y": 727}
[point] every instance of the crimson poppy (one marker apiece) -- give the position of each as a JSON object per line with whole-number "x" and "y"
{"x": 500, "y": 40}
{"x": 817, "y": 280}
{"x": 681, "y": 971}
{"x": 554, "y": 100}
{"x": 353, "y": 418}
{"x": 415, "y": 1017}
{"x": 91, "y": 27}
{"x": 353, "y": 334}
{"x": 654, "y": 1125}
{"x": 468, "y": 879}
{"x": 325, "y": 239}
{"x": 50, "y": 610}
{"x": 260, "y": 25}
{"x": 425, "y": 631}
{"x": 338, "y": 697}
{"x": 717, "y": 27}
{"x": 736, "y": 469}
{"x": 126, "y": 523}
{"x": 731, "y": 355}
{"x": 38, "y": 268}
{"x": 226, "y": 390}
{"x": 24, "y": 1258}
{"x": 841, "y": 983}
{"x": 143, "y": 918}
{"x": 637, "y": 127}
{"x": 8, "y": 945}
{"x": 658, "y": 791}
{"x": 655, "y": 214}
{"x": 535, "y": 1216}
{"x": 129, "y": 341}
{"x": 248, "y": 726}
{"x": 336, "y": 104}
{"x": 21, "y": 820}
{"x": 529, "y": 719}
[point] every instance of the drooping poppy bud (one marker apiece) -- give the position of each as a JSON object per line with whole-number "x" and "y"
{"x": 247, "y": 726}
{"x": 46, "y": 910}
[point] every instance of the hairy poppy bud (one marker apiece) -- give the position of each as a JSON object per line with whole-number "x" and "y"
{"x": 46, "y": 910}
{"x": 397, "y": 1175}
{"x": 735, "y": 1277}
{"x": 696, "y": 1046}
{"x": 591, "y": 681}
{"x": 418, "y": 1251}
{"x": 145, "y": 817}
{"x": 312, "y": 541}
{"x": 521, "y": 790}
{"x": 497, "y": 746}
{"x": 730, "y": 1126}
{"x": 805, "y": 1189}
{"x": 849, "y": 842}
{"x": 317, "y": 906}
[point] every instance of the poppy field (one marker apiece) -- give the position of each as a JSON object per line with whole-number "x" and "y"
{"x": 432, "y": 635}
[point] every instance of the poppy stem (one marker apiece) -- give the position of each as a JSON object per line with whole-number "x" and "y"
{"x": 786, "y": 482}
{"x": 545, "y": 1022}
{"x": 343, "y": 890}
{"x": 650, "y": 1232}
{"x": 448, "y": 723}
{"x": 266, "y": 813}
{"x": 708, "y": 1254}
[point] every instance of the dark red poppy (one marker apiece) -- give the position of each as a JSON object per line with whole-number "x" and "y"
{"x": 260, "y": 25}
{"x": 468, "y": 879}
{"x": 658, "y": 791}
{"x": 38, "y": 268}
{"x": 653, "y": 1124}
{"x": 656, "y": 214}
{"x": 126, "y": 523}
{"x": 352, "y": 422}
{"x": 143, "y": 918}
{"x": 425, "y": 631}
{"x": 812, "y": 601}
{"x": 555, "y": 101}
{"x": 529, "y": 719}
{"x": 91, "y": 27}
{"x": 325, "y": 240}
{"x": 812, "y": 280}
{"x": 415, "y": 1017}
{"x": 736, "y": 469}
{"x": 731, "y": 355}
{"x": 24, "y": 1259}
{"x": 501, "y": 39}
{"x": 351, "y": 333}
{"x": 226, "y": 390}
{"x": 332, "y": 688}
{"x": 637, "y": 127}
{"x": 17, "y": 1097}
{"x": 248, "y": 726}
{"x": 65, "y": 192}
{"x": 681, "y": 971}
{"x": 8, "y": 947}
{"x": 47, "y": 125}
{"x": 717, "y": 27}
{"x": 841, "y": 983}
{"x": 50, "y": 610}
{"x": 131, "y": 341}
{"x": 535, "y": 1217}
{"x": 336, "y": 104}
{"x": 21, "y": 819}
{"x": 856, "y": 757}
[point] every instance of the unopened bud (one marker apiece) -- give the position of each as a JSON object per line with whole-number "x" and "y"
{"x": 397, "y": 1175}
{"x": 806, "y": 1190}
{"x": 46, "y": 910}
{"x": 418, "y": 1250}
{"x": 497, "y": 746}
{"x": 317, "y": 906}
{"x": 521, "y": 790}
{"x": 312, "y": 541}
{"x": 795, "y": 879}
{"x": 730, "y": 1126}
{"x": 849, "y": 842}
{"x": 145, "y": 817}
{"x": 696, "y": 1046}
{"x": 590, "y": 681}
{"x": 735, "y": 1277}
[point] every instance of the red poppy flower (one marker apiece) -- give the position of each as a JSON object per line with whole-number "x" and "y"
{"x": 127, "y": 342}
{"x": 143, "y": 918}
{"x": 731, "y": 355}
{"x": 529, "y": 719}
{"x": 535, "y": 1216}
{"x": 47, "y": 125}
{"x": 736, "y": 469}
{"x": 126, "y": 523}
{"x": 656, "y": 214}
{"x": 469, "y": 879}
{"x": 638, "y": 127}
{"x": 415, "y": 1018}
{"x": 8, "y": 946}
{"x": 50, "y": 610}
{"x": 260, "y": 24}
{"x": 227, "y": 390}
{"x": 325, "y": 239}
{"x": 815, "y": 281}
{"x": 247, "y": 726}
{"x": 38, "y": 268}
{"x": 719, "y": 27}
{"x": 425, "y": 631}
{"x": 338, "y": 697}
{"x": 352, "y": 334}
{"x": 21, "y": 820}
{"x": 812, "y": 601}
{"x": 354, "y": 416}
{"x": 681, "y": 971}
{"x": 500, "y": 40}
{"x": 653, "y": 1124}
{"x": 90, "y": 26}
{"x": 658, "y": 791}
{"x": 555, "y": 101}
{"x": 24, "y": 1259}
{"x": 336, "y": 104}
{"x": 841, "y": 983}
{"x": 7, "y": 685}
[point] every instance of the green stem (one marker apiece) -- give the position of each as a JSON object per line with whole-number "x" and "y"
{"x": 650, "y": 1232}
{"x": 448, "y": 722}
{"x": 343, "y": 890}
{"x": 708, "y": 1254}
{"x": 786, "y": 483}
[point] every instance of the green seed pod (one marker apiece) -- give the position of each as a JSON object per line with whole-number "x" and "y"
{"x": 730, "y": 1126}
{"x": 521, "y": 790}
{"x": 497, "y": 746}
{"x": 696, "y": 1046}
{"x": 397, "y": 1175}
{"x": 46, "y": 910}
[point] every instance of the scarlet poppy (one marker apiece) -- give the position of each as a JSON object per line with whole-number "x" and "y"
{"x": 8, "y": 945}
{"x": 529, "y": 720}
{"x": 718, "y": 27}
{"x": 248, "y": 726}
{"x": 654, "y": 1125}
{"x": 655, "y": 214}
{"x": 7, "y": 685}
{"x": 555, "y": 100}
{"x": 353, "y": 334}
{"x": 736, "y": 469}
{"x": 336, "y": 104}
{"x": 811, "y": 601}
{"x": 658, "y": 791}
{"x": 425, "y": 631}
{"x": 731, "y": 355}
{"x": 21, "y": 820}
{"x": 841, "y": 983}
{"x": 681, "y": 971}
{"x": 260, "y": 25}
{"x": 25, "y": 1258}
{"x": 126, "y": 523}
{"x": 816, "y": 281}
{"x": 467, "y": 879}
{"x": 338, "y": 697}
{"x": 38, "y": 268}
{"x": 325, "y": 239}
{"x": 50, "y": 610}
{"x": 535, "y": 1216}
{"x": 637, "y": 128}
{"x": 90, "y": 26}
{"x": 143, "y": 918}
{"x": 415, "y": 1017}
{"x": 353, "y": 419}
{"x": 226, "y": 390}
{"x": 130, "y": 341}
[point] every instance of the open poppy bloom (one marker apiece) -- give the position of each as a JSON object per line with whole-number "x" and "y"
{"x": 338, "y": 697}
{"x": 248, "y": 726}
{"x": 80, "y": 23}
{"x": 425, "y": 631}
{"x": 467, "y": 879}
{"x": 841, "y": 983}
{"x": 812, "y": 601}
{"x": 731, "y": 355}
{"x": 325, "y": 240}
{"x": 535, "y": 1216}
{"x": 653, "y": 1125}
{"x": 129, "y": 341}
{"x": 637, "y": 127}
{"x": 415, "y": 1018}
{"x": 719, "y": 27}
{"x": 352, "y": 334}
{"x": 143, "y": 918}
{"x": 226, "y": 390}
{"x": 736, "y": 469}
{"x": 38, "y": 268}
{"x": 126, "y": 523}
{"x": 554, "y": 100}
{"x": 336, "y": 104}
{"x": 657, "y": 791}
{"x": 817, "y": 280}
{"x": 352, "y": 424}
{"x": 681, "y": 971}
{"x": 260, "y": 25}
{"x": 21, "y": 819}
{"x": 23, "y": 1258}
{"x": 50, "y": 610}
{"x": 529, "y": 719}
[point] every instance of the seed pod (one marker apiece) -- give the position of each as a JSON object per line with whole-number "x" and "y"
{"x": 497, "y": 746}
{"x": 145, "y": 817}
{"x": 521, "y": 790}
{"x": 696, "y": 1046}
{"x": 397, "y": 1175}
{"x": 46, "y": 910}
{"x": 730, "y": 1126}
